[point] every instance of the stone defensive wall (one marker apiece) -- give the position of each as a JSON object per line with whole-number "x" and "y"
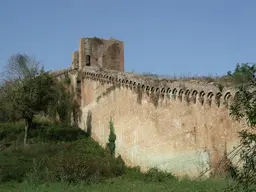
{"x": 181, "y": 126}
{"x": 190, "y": 91}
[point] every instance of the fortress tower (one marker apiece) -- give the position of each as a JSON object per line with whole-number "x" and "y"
{"x": 107, "y": 54}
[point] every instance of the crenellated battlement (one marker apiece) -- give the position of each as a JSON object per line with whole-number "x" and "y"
{"x": 189, "y": 91}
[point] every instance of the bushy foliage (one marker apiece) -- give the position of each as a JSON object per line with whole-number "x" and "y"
{"x": 244, "y": 106}
{"x": 62, "y": 105}
{"x": 243, "y": 74}
{"x": 56, "y": 153}
{"x": 28, "y": 90}
{"x": 10, "y": 133}
{"x": 78, "y": 161}
{"x": 152, "y": 175}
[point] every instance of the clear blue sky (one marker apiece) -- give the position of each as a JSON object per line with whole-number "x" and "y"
{"x": 162, "y": 37}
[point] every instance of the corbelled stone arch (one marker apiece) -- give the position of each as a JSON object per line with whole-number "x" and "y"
{"x": 187, "y": 92}
{"x": 127, "y": 83}
{"x": 93, "y": 76}
{"x": 227, "y": 98}
{"x": 101, "y": 76}
{"x": 201, "y": 97}
{"x": 119, "y": 82}
{"x": 163, "y": 90}
{"x": 112, "y": 79}
{"x": 130, "y": 84}
{"x": 96, "y": 77}
{"x": 139, "y": 91}
{"x": 187, "y": 96}
{"x": 180, "y": 94}
{"x": 209, "y": 97}
{"x": 218, "y": 98}
{"x": 174, "y": 93}
{"x": 169, "y": 90}
{"x": 194, "y": 95}
{"x": 123, "y": 83}
{"x": 143, "y": 87}
{"x": 107, "y": 79}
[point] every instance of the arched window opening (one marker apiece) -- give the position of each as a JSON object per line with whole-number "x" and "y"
{"x": 88, "y": 60}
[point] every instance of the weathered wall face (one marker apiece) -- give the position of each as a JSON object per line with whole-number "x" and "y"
{"x": 179, "y": 126}
{"x": 75, "y": 60}
{"x": 107, "y": 54}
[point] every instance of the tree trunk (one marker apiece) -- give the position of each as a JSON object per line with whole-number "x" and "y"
{"x": 28, "y": 122}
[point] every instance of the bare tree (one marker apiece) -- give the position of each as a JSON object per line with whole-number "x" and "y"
{"x": 27, "y": 89}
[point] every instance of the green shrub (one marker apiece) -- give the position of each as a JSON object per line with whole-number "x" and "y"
{"x": 16, "y": 161}
{"x": 11, "y": 132}
{"x": 13, "y": 166}
{"x": 14, "y": 132}
{"x": 57, "y": 133}
{"x": 82, "y": 160}
{"x": 111, "y": 139}
{"x": 155, "y": 175}
{"x": 152, "y": 175}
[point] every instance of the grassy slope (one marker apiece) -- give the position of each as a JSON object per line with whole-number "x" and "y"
{"x": 120, "y": 185}
{"x": 67, "y": 151}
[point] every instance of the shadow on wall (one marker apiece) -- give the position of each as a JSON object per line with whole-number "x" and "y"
{"x": 89, "y": 123}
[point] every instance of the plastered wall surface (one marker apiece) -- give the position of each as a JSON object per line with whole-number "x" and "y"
{"x": 185, "y": 140}
{"x": 178, "y": 126}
